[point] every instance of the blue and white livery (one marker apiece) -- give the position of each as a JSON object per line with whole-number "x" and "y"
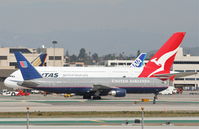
{"x": 139, "y": 61}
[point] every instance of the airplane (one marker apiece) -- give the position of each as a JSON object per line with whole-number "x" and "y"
{"x": 87, "y": 87}
{"x": 57, "y": 72}
{"x": 143, "y": 81}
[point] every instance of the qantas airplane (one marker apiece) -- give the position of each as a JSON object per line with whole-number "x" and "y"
{"x": 141, "y": 81}
{"x": 65, "y": 72}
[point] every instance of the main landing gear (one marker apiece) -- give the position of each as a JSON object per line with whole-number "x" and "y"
{"x": 86, "y": 96}
{"x": 90, "y": 97}
{"x": 155, "y": 98}
{"x": 96, "y": 97}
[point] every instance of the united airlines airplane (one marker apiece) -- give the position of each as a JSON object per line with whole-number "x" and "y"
{"x": 83, "y": 72}
{"x": 87, "y": 87}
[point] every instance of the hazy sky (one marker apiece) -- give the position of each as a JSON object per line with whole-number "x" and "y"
{"x": 102, "y": 26}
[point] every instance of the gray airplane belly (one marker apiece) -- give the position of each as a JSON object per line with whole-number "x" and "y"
{"x": 109, "y": 82}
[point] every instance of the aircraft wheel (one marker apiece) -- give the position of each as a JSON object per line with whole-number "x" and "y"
{"x": 86, "y": 96}
{"x": 13, "y": 94}
{"x": 96, "y": 97}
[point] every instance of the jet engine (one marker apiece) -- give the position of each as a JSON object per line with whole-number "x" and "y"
{"x": 118, "y": 92}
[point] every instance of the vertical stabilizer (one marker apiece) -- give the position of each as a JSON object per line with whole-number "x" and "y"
{"x": 40, "y": 60}
{"x": 162, "y": 61}
{"x": 139, "y": 61}
{"x": 27, "y": 70}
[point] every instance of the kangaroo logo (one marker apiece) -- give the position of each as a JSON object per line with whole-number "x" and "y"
{"x": 156, "y": 62}
{"x": 162, "y": 60}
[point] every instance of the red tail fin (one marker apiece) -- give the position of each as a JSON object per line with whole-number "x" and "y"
{"x": 162, "y": 61}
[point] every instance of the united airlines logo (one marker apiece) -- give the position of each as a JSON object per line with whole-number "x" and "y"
{"x": 23, "y": 64}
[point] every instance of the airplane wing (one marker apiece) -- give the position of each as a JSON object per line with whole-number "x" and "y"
{"x": 177, "y": 75}
{"x": 100, "y": 90}
{"x": 97, "y": 87}
{"x": 27, "y": 83}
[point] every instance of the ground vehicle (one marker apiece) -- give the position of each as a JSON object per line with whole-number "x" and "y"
{"x": 169, "y": 91}
{"x": 15, "y": 93}
{"x": 22, "y": 93}
{"x": 10, "y": 93}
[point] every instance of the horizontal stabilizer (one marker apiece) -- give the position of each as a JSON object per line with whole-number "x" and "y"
{"x": 177, "y": 75}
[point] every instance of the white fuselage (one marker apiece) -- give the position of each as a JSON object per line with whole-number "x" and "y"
{"x": 75, "y": 72}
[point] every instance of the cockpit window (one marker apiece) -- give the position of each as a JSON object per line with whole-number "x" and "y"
{"x": 11, "y": 76}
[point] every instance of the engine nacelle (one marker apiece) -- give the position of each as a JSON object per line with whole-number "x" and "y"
{"x": 118, "y": 92}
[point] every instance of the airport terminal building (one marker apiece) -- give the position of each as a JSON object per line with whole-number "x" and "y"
{"x": 8, "y": 61}
{"x": 186, "y": 63}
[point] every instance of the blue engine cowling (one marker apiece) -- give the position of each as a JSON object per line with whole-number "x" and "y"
{"x": 118, "y": 92}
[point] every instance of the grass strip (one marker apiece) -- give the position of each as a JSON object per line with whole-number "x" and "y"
{"x": 100, "y": 114}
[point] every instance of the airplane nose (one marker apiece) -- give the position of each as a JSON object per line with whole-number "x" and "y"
{"x": 9, "y": 83}
{"x": 6, "y": 82}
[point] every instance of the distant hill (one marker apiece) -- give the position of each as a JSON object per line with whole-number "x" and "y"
{"x": 192, "y": 51}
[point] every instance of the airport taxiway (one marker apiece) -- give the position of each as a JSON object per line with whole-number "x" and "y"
{"x": 105, "y": 123}
{"x": 181, "y": 102}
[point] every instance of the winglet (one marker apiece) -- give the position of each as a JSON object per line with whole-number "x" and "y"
{"x": 139, "y": 61}
{"x": 27, "y": 70}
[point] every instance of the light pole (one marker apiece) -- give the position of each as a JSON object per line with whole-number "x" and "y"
{"x": 142, "y": 108}
{"x": 54, "y": 43}
{"x": 27, "y": 116}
